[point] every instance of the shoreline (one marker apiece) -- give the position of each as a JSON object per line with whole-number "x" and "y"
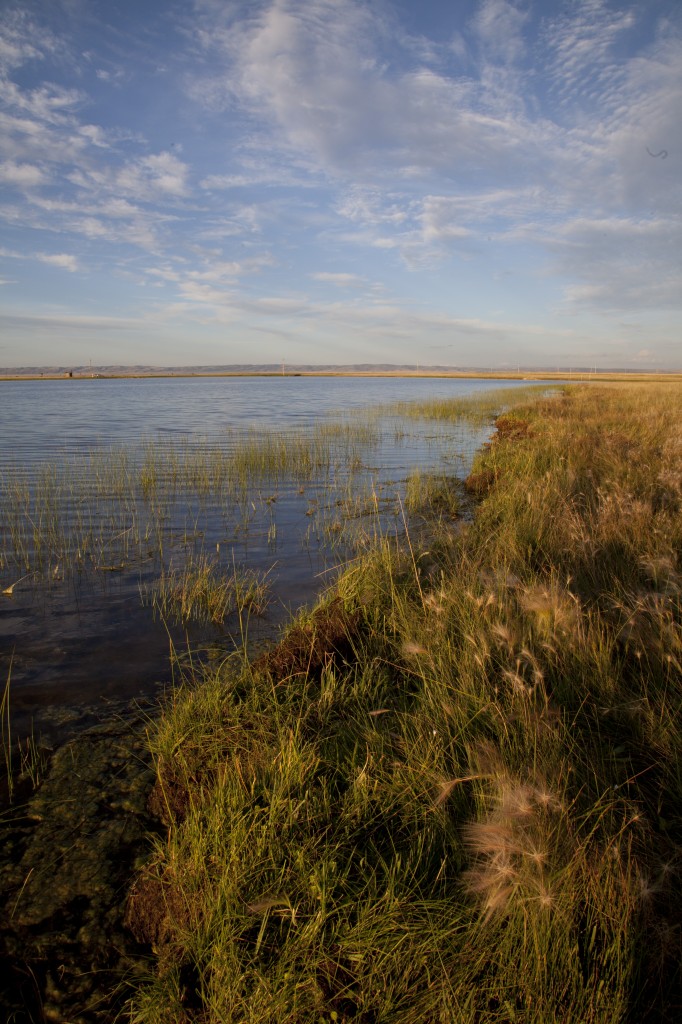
{"x": 531, "y": 375}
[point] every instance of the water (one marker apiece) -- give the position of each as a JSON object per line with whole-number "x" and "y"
{"x": 40, "y": 419}
{"x": 81, "y": 633}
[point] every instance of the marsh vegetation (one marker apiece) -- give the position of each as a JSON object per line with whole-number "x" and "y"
{"x": 452, "y": 792}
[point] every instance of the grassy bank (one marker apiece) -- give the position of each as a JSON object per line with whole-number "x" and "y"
{"x": 453, "y": 792}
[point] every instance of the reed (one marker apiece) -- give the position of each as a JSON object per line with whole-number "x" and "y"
{"x": 108, "y": 506}
{"x": 23, "y": 761}
{"x": 112, "y": 506}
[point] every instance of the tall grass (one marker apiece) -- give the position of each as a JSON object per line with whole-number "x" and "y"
{"x": 468, "y": 808}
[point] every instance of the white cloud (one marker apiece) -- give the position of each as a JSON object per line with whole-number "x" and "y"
{"x": 645, "y": 355}
{"x": 579, "y": 46}
{"x": 442, "y": 220}
{"x": 23, "y": 39}
{"x": 372, "y": 207}
{"x": 315, "y": 70}
{"x": 341, "y": 280}
{"x": 621, "y": 263}
{"x": 219, "y": 270}
{"x": 155, "y": 177}
{"x": 164, "y": 273}
{"x": 50, "y": 103}
{"x": 529, "y": 128}
{"x": 227, "y": 181}
{"x": 94, "y": 134}
{"x": 375, "y": 324}
{"x": 269, "y": 173}
{"x": 21, "y": 175}
{"x": 59, "y": 259}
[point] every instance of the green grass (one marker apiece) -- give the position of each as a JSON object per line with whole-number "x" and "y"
{"x": 468, "y": 809}
{"x": 432, "y": 494}
{"x": 201, "y": 591}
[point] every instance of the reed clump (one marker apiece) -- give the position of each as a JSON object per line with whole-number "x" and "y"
{"x": 204, "y": 591}
{"x": 469, "y": 809}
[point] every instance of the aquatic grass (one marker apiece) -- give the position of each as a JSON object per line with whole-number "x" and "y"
{"x": 6, "y": 735}
{"x": 22, "y": 762}
{"x": 467, "y": 805}
{"x": 108, "y": 506}
{"x": 202, "y": 591}
{"x": 240, "y": 460}
{"x": 477, "y": 409}
{"x": 117, "y": 508}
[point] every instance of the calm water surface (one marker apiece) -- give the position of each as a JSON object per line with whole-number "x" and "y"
{"x": 74, "y": 643}
{"x": 39, "y": 419}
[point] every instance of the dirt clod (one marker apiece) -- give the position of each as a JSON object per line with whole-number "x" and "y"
{"x": 310, "y": 646}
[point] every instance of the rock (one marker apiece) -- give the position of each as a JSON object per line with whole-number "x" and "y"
{"x": 65, "y": 873}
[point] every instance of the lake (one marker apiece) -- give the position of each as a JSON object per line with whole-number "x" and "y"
{"x": 122, "y": 500}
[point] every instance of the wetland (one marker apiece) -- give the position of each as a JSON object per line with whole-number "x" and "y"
{"x": 149, "y": 531}
{"x": 144, "y": 516}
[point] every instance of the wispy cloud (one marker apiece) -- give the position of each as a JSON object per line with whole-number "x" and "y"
{"x": 580, "y": 43}
{"x": 156, "y": 177}
{"x": 605, "y": 258}
{"x": 498, "y": 27}
{"x": 316, "y": 73}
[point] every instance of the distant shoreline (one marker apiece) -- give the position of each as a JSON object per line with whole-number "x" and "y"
{"x": 528, "y": 375}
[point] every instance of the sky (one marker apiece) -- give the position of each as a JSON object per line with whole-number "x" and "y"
{"x": 487, "y": 183}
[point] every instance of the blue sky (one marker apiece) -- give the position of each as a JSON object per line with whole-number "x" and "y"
{"x": 472, "y": 182}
